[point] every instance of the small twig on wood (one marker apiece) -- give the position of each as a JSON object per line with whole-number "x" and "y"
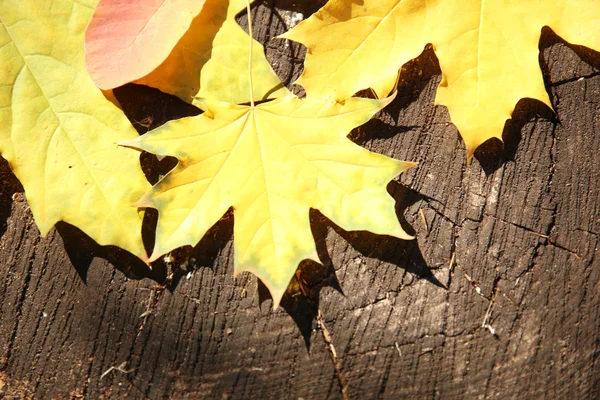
{"x": 149, "y": 306}
{"x": 336, "y": 362}
{"x": 539, "y": 234}
{"x": 337, "y": 365}
{"x": 422, "y": 214}
{"x": 146, "y": 122}
{"x": 326, "y": 335}
{"x": 486, "y": 318}
{"x": 451, "y": 270}
{"x": 152, "y": 300}
{"x": 170, "y": 261}
{"x": 491, "y": 300}
{"x": 120, "y": 368}
{"x": 473, "y": 283}
{"x": 485, "y": 324}
{"x": 195, "y": 300}
{"x": 488, "y": 313}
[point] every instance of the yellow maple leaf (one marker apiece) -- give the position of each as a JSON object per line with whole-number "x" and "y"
{"x": 271, "y": 163}
{"x": 58, "y": 131}
{"x": 211, "y": 61}
{"x": 487, "y": 49}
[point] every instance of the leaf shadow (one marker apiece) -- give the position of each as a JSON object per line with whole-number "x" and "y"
{"x": 166, "y": 271}
{"x": 301, "y": 300}
{"x": 9, "y": 186}
{"x": 204, "y": 254}
{"x": 404, "y": 254}
{"x": 493, "y": 153}
{"x": 414, "y": 76}
{"x": 148, "y": 108}
{"x": 300, "y": 304}
{"x": 549, "y": 38}
{"x": 81, "y": 250}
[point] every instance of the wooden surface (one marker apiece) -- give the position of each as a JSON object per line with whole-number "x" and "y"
{"x": 517, "y": 315}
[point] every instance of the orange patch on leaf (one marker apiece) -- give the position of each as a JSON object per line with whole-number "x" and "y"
{"x": 127, "y": 40}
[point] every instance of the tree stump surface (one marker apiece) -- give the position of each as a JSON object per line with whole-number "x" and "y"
{"x": 497, "y": 297}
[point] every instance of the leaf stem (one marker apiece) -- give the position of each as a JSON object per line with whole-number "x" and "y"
{"x": 250, "y": 53}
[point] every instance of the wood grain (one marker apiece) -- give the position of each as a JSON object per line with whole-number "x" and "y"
{"x": 516, "y": 315}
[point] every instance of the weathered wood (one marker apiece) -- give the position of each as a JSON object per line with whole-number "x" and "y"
{"x": 521, "y": 224}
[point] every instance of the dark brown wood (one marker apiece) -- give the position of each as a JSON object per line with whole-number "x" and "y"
{"x": 516, "y": 315}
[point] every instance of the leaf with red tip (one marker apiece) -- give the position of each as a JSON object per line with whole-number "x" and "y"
{"x": 127, "y": 40}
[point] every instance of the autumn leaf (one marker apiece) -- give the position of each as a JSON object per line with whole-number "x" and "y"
{"x": 211, "y": 61}
{"x": 57, "y": 130}
{"x": 127, "y": 40}
{"x": 271, "y": 163}
{"x": 488, "y": 51}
